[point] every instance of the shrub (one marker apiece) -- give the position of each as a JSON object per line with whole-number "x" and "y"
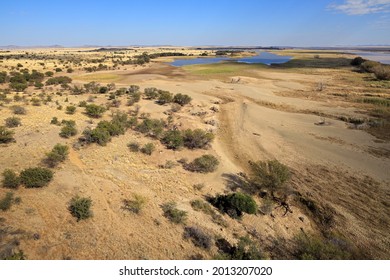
{"x": 368, "y": 66}
{"x": 246, "y": 249}
{"x": 270, "y": 174}
{"x": 151, "y": 127}
{"x": 6, "y": 135}
{"x": 94, "y": 111}
{"x": 98, "y": 135}
{"x": 182, "y": 99}
{"x": 36, "y": 177}
{"x": 151, "y": 93}
{"x": 69, "y": 129}
{"x": 112, "y": 128}
{"x": 133, "y": 146}
{"x": 6, "y": 202}
{"x": 49, "y": 74}
{"x": 54, "y": 120}
{"x": 36, "y": 101}
{"x": 10, "y": 179}
{"x": 103, "y": 89}
{"x": 196, "y": 139}
{"x": 80, "y": 207}
{"x": 173, "y": 214}
{"x": 12, "y": 122}
{"x": 70, "y": 109}
{"x": 357, "y": 61}
{"x": 135, "y": 205}
{"x": 69, "y": 70}
{"x": 315, "y": 248}
{"x": 58, "y": 154}
{"x": 381, "y": 72}
{"x": 58, "y": 69}
{"x": 198, "y": 237}
{"x": 203, "y": 164}
{"x": 83, "y": 103}
{"x": 18, "y": 110}
{"x": 148, "y": 149}
{"x": 172, "y": 139}
{"x": 133, "y": 89}
{"x": 60, "y": 80}
{"x": 164, "y": 97}
{"x": 235, "y": 204}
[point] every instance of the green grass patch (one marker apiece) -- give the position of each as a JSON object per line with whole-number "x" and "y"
{"x": 223, "y": 68}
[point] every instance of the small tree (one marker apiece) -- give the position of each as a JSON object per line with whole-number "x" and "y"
{"x": 196, "y": 139}
{"x": 69, "y": 129}
{"x": 80, "y": 208}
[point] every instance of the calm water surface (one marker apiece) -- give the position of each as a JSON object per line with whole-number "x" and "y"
{"x": 263, "y": 57}
{"x": 383, "y": 57}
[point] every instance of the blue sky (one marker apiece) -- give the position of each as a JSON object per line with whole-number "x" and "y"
{"x": 195, "y": 23}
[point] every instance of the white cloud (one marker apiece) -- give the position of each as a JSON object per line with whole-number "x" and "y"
{"x": 362, "y": 7}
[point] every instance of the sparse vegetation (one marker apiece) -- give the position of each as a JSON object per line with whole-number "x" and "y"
{"x": 182, "y": 99}
{"x": 172, "y": 139}
{"x": 134, "y": 205}
{"x": 198, "y": 237}
{"x": 134, "y": 146}
{"x": 36, "y": 177}
{"x": 246, "y": 249}
{"x": 80, "y": 207}
{"x": 173, "y": 214}
{"x": 70, "y": 110}
{"x": 18, "y": 110}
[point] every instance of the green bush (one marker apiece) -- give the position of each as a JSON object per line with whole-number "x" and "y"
{"x": 182, "y": 99}
{"x": 6, "y": 202}
{"x": 94, "y": 111}
{"x": 148, "y": 149}
{"x": 114, "y": 129}
{"x": 54, "y": 120}
{"x": 197, "y": 139}
{"x": 10, "y": 179}
{"x": 369, "y": 65}
{"x": 69, "y": 129}
{"x": 80, "y": 207}
{"x": 70, "y": 109}
{"x": 60, "y": 80}
{"x": 269, "y": 175}
{"x": 98, "y": 135}
{"x": 203, "y": 164}
{"x": 198, "y": 237}
{"x": 36, "y": 177}
{"x": 151, "y": 127}
{"x": 172, "y": 139}
{"x": 164, "y": 97}
{"x": 173, "y": 214}
{"x": 12, "y": 122}
{"x": 235, "y": 204}
{"x": 58, "y": 154}
{"x": 151, "y": 93}
{"x": 6, "y": 135}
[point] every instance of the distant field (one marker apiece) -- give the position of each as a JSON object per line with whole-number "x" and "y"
{"x": 100, "y": 77}
{"x": 222, "y": 68}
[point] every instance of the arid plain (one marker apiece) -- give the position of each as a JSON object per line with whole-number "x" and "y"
{"x": 317, "y": 114}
